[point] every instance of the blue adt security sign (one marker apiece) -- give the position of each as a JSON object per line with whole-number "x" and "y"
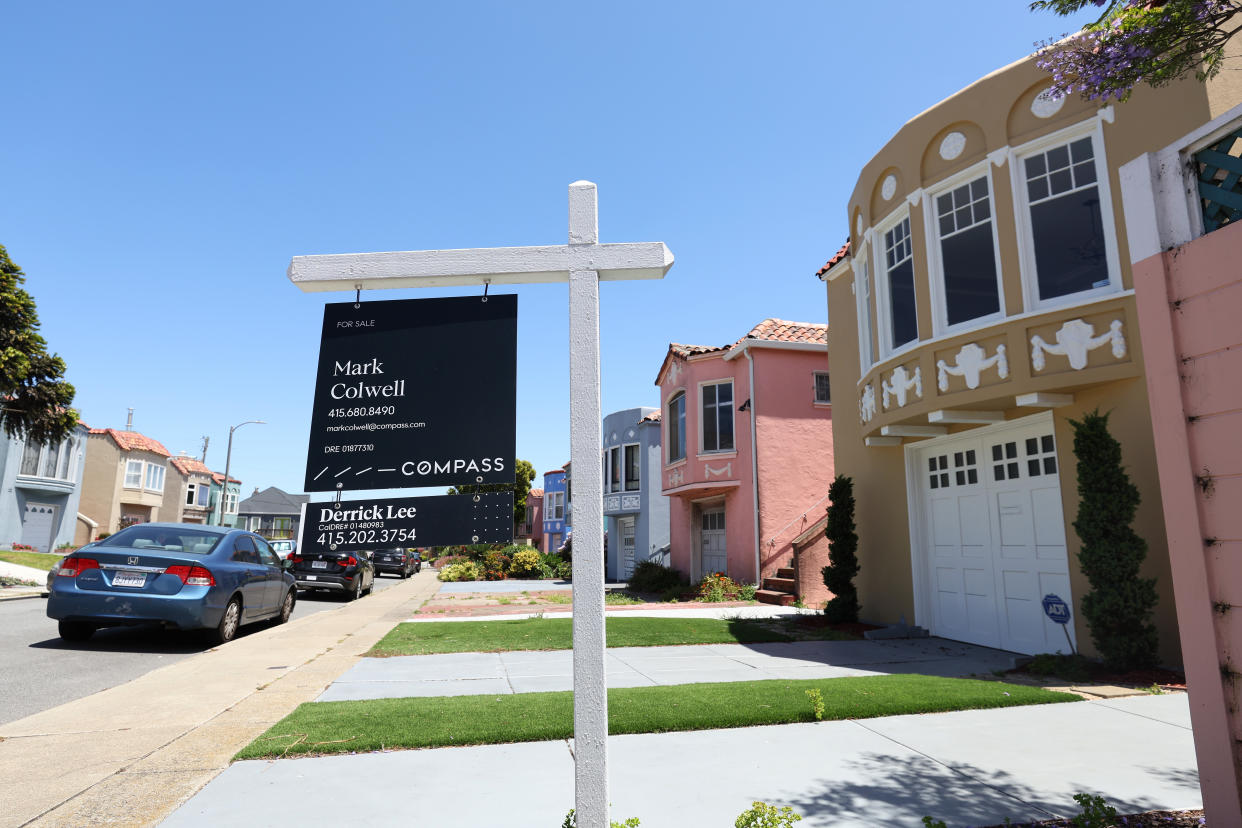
{"x": 1056, "y": 609}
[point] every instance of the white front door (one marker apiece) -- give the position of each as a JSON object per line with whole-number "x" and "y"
{"x": 993, "y": 536}
{"x": 712, "y": 542}
{"x": 38, "y": 525}
{"x": 626, "y": 528}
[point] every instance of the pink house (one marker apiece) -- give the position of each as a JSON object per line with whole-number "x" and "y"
{"x": 1185, "y": 253}
{"x": 747, "y": 457}
{"x": 530, "y": 530}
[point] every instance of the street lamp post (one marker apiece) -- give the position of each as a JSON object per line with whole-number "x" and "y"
{"x": 228, "y": 460}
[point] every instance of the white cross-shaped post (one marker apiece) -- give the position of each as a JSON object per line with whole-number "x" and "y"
{"x": 584, "y": 262}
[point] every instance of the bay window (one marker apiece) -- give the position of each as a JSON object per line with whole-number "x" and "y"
{"x": 717, "y": 420}
{"x": 968, "y": 288}
{"x": 903, "y": 327}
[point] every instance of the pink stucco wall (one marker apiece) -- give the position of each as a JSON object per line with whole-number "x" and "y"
{"x": 1190, "y": 303}
{"x": 794, "y": 458}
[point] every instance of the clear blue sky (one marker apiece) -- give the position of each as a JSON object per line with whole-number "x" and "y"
{"x": 161, "y": 163}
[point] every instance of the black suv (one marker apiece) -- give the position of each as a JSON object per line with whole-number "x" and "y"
{"x": 402, "y": 562}
{"x": 349, "y": 573}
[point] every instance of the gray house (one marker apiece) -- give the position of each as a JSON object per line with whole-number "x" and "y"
{"x": 272, "y": 513}
{"x": 636, "y": 513}
{"x": 40, "y": 488}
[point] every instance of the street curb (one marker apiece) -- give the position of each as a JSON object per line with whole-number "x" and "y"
{"x": 21, "y": 595}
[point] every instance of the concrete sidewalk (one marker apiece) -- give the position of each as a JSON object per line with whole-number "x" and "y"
{"x": 465, "y": 674}
{"x": 131, "y": 754}
{"x": 968, "y": 768}
{"x": 25, "y": 573}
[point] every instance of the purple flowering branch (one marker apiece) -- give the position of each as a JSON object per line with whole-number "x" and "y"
{"x": 1137, "y": 41}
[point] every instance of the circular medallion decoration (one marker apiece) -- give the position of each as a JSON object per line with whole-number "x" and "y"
{"x": 1045, "y": 106}
{"x": 888, "y": 187}
{"x": 952, "y": 145}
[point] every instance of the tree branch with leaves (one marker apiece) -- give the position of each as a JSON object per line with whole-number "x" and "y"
{"x": 1137, "y": 41}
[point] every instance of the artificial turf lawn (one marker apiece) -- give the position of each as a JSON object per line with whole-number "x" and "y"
{"x": 35, "y": 560}
{"x": 346, "y": 726}
{"x": 426, "y": 637}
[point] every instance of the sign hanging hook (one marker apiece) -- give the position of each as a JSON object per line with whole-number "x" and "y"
{"x": 357, "y": 296}
{"x": 486, "y": 284}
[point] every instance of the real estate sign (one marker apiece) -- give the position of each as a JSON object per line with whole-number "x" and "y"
{"x": 415, "y": 392}
{"x": 436, "y": 520}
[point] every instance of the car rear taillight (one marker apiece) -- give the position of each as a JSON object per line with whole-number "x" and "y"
{"x": 350, "y": 561}
{"x": 294, "y": 558}
{"x": 74, "y": 565}
{"x": 192, "y": 575}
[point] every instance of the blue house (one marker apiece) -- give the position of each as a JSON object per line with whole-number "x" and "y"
{"x": 636, "y": 512}
{"x": 555, "y": 524}
{"x": 41, "y": 486}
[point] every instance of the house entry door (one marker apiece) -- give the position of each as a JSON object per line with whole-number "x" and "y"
{"x": 38, "y": 523}
{"x": 626, "y": 525}
{"x": 714, "y": 553}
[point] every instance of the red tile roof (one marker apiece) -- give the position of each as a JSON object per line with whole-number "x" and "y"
{"x": 684, "y": 351}
{"x": 219, "y": 478}
{"x": 653, "y": 417}
{"x": 778, "y": 330}
{"x": 836, "y": 259}
{"x": 536, "y": 493}
{"x": 191, "y": 465}
{"x": 133, "y": 441}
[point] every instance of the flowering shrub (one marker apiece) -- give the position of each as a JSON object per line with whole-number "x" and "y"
{"x": 449, "y": 560}
{"x": 464, "y": 571}
{"x": 525, "y": 562}
{"x": 495, "y": 566}
{"x": 23, "y": 547}
{"x": 717, "y": 587}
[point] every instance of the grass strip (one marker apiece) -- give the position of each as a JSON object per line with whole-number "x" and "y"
{"x": 427, "y": 637}
{"x": 345, "y": 726}
{"x": 35, "y": 560}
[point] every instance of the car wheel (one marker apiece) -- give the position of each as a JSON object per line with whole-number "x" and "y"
{"x": 75, "y": 630}
{"x": 405, "y": 573}
{"x": 370, "y": 588}
{"x": 286, "y": 609}
{"x": 355, "y": 593}
{"x": 226, "y": 630}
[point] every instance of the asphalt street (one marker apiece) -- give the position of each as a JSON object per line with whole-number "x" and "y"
{"x": 41, "y": 671}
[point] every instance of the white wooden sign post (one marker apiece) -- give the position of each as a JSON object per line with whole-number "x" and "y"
{"x": 584, "y": 262}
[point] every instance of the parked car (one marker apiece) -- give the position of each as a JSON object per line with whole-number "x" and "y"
{"x": 402, "y": 562}
{"x": 183, "y": 575}
{"x": 283, "y": 547}
{"x": 349, "y": 573}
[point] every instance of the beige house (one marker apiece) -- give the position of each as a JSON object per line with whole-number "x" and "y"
{"x": 980, "y": 304}
{"x": 187, "y": 493}
{"x": 124, "y": 482}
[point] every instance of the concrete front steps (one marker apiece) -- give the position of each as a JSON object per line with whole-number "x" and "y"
{"x": 781, "y": 590}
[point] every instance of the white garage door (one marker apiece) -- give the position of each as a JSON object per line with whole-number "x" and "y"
{"x": 993, "y": 536}
{"x": 38, "y": 522}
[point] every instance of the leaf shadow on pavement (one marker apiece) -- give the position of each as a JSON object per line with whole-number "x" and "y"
{"x": 884, "y": 789}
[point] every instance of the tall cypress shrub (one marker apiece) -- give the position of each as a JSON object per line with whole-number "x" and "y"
{"x": 1119, "y": 606}
{"x": 842, "y": 553}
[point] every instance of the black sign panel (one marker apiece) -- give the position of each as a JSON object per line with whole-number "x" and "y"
{"x": 436, "y": 520}
{"x": 415, "y": 392}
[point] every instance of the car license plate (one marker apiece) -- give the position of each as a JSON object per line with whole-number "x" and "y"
{"x": 129, "y": 579}
{"x": 319, "y": 564}
{"x": 312, "y": 577}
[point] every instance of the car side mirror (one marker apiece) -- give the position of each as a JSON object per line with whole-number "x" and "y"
{"x": 285, "y": 563}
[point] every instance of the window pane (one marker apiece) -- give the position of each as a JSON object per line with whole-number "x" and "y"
{"x": 189, "y": 495}
{"x": 1058, "y": 158}
{"x": 1061, "y": 181}
{"x": 724, "y": 393}
{"x": 1081, "y": 150}
{"x": 1037, "y": 189}
{"x": 631, "y": 468}
{"x": 970, "y": 274}
{"x": 47, "y": 462}
{"x": 65, "y": 460}
{"x": 1035, "y": 166}
{"x": 1069, "y": 244}
{"x": 133, "y": 474}
{"x": 1084, "y": 174}
{"x": 823, "y": 392}
{"x": 901, "y": 304}
{"x": 726, "y": 426}
{"x": 709, "y": 419}
{"x": 614, "y": 470}
{"x": 30, "y": 459}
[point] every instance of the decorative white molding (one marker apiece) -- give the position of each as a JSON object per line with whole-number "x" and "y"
{"x": 952, "y": 145}
{"x": 675, "y": 478}
{"x": 965, "y": 415}
{"x": 915, "y": 197}
{"x": 612, "y": 504}
{"x": 1108, "y": 114}
{"x": 913, "y": 431}
{"x": 866, "y": 404}
{"x": 614, "y": 437}
{"x": 900, "y": 385}
{"x": 1045, "y": 105}
{"x": 727, "y": 471}
{"x": 631, "y": 502}
{"x": 999, "y": 157}
{"x": 971, "y": 360}
{"x": 889, "y": 187}
{"x": 876, "y": 442}
{"x": 1075, "y": 340}
{"x": 629, "y": 433}
{"x": 1042, "y": 399}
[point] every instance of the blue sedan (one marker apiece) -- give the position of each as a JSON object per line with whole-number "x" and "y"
{"x": 183, "y": 575}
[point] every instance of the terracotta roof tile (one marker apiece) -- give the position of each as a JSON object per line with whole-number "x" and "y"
{"x": 219, "y": 478}
{"x": 190, "y": 465}
{"x": 133, "y": 441}
{"x": 836, "y": 259}
{"x": 653, "y": 417}
{"x": 684, "y": 351}
{"x": 779, "y": 330}
{"x": 536, "y": 493}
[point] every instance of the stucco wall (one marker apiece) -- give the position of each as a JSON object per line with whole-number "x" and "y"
{"x": 100, "y": 482}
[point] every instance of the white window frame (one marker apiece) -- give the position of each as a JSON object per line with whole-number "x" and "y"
{"x": 935, "y": 263}
{"x": 669, "y": 422}
{"x": 556, "y": 505}
{"x": 611, "y": 461}
{"x": 703, "y": 449}
{"x": 1093, "y": 128}
{"x": 66, "y": 449}
{"x": 862, "y": 304}
{"x": 191, "y": 494}
{"x": 638, "y": 481}
{"x": 815, "y": 375}
{"x": 138, "y": 472}
{"x": 230, "y": 502}
{"x": 149, "y": 473}
{"x": 883, "y": 311}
